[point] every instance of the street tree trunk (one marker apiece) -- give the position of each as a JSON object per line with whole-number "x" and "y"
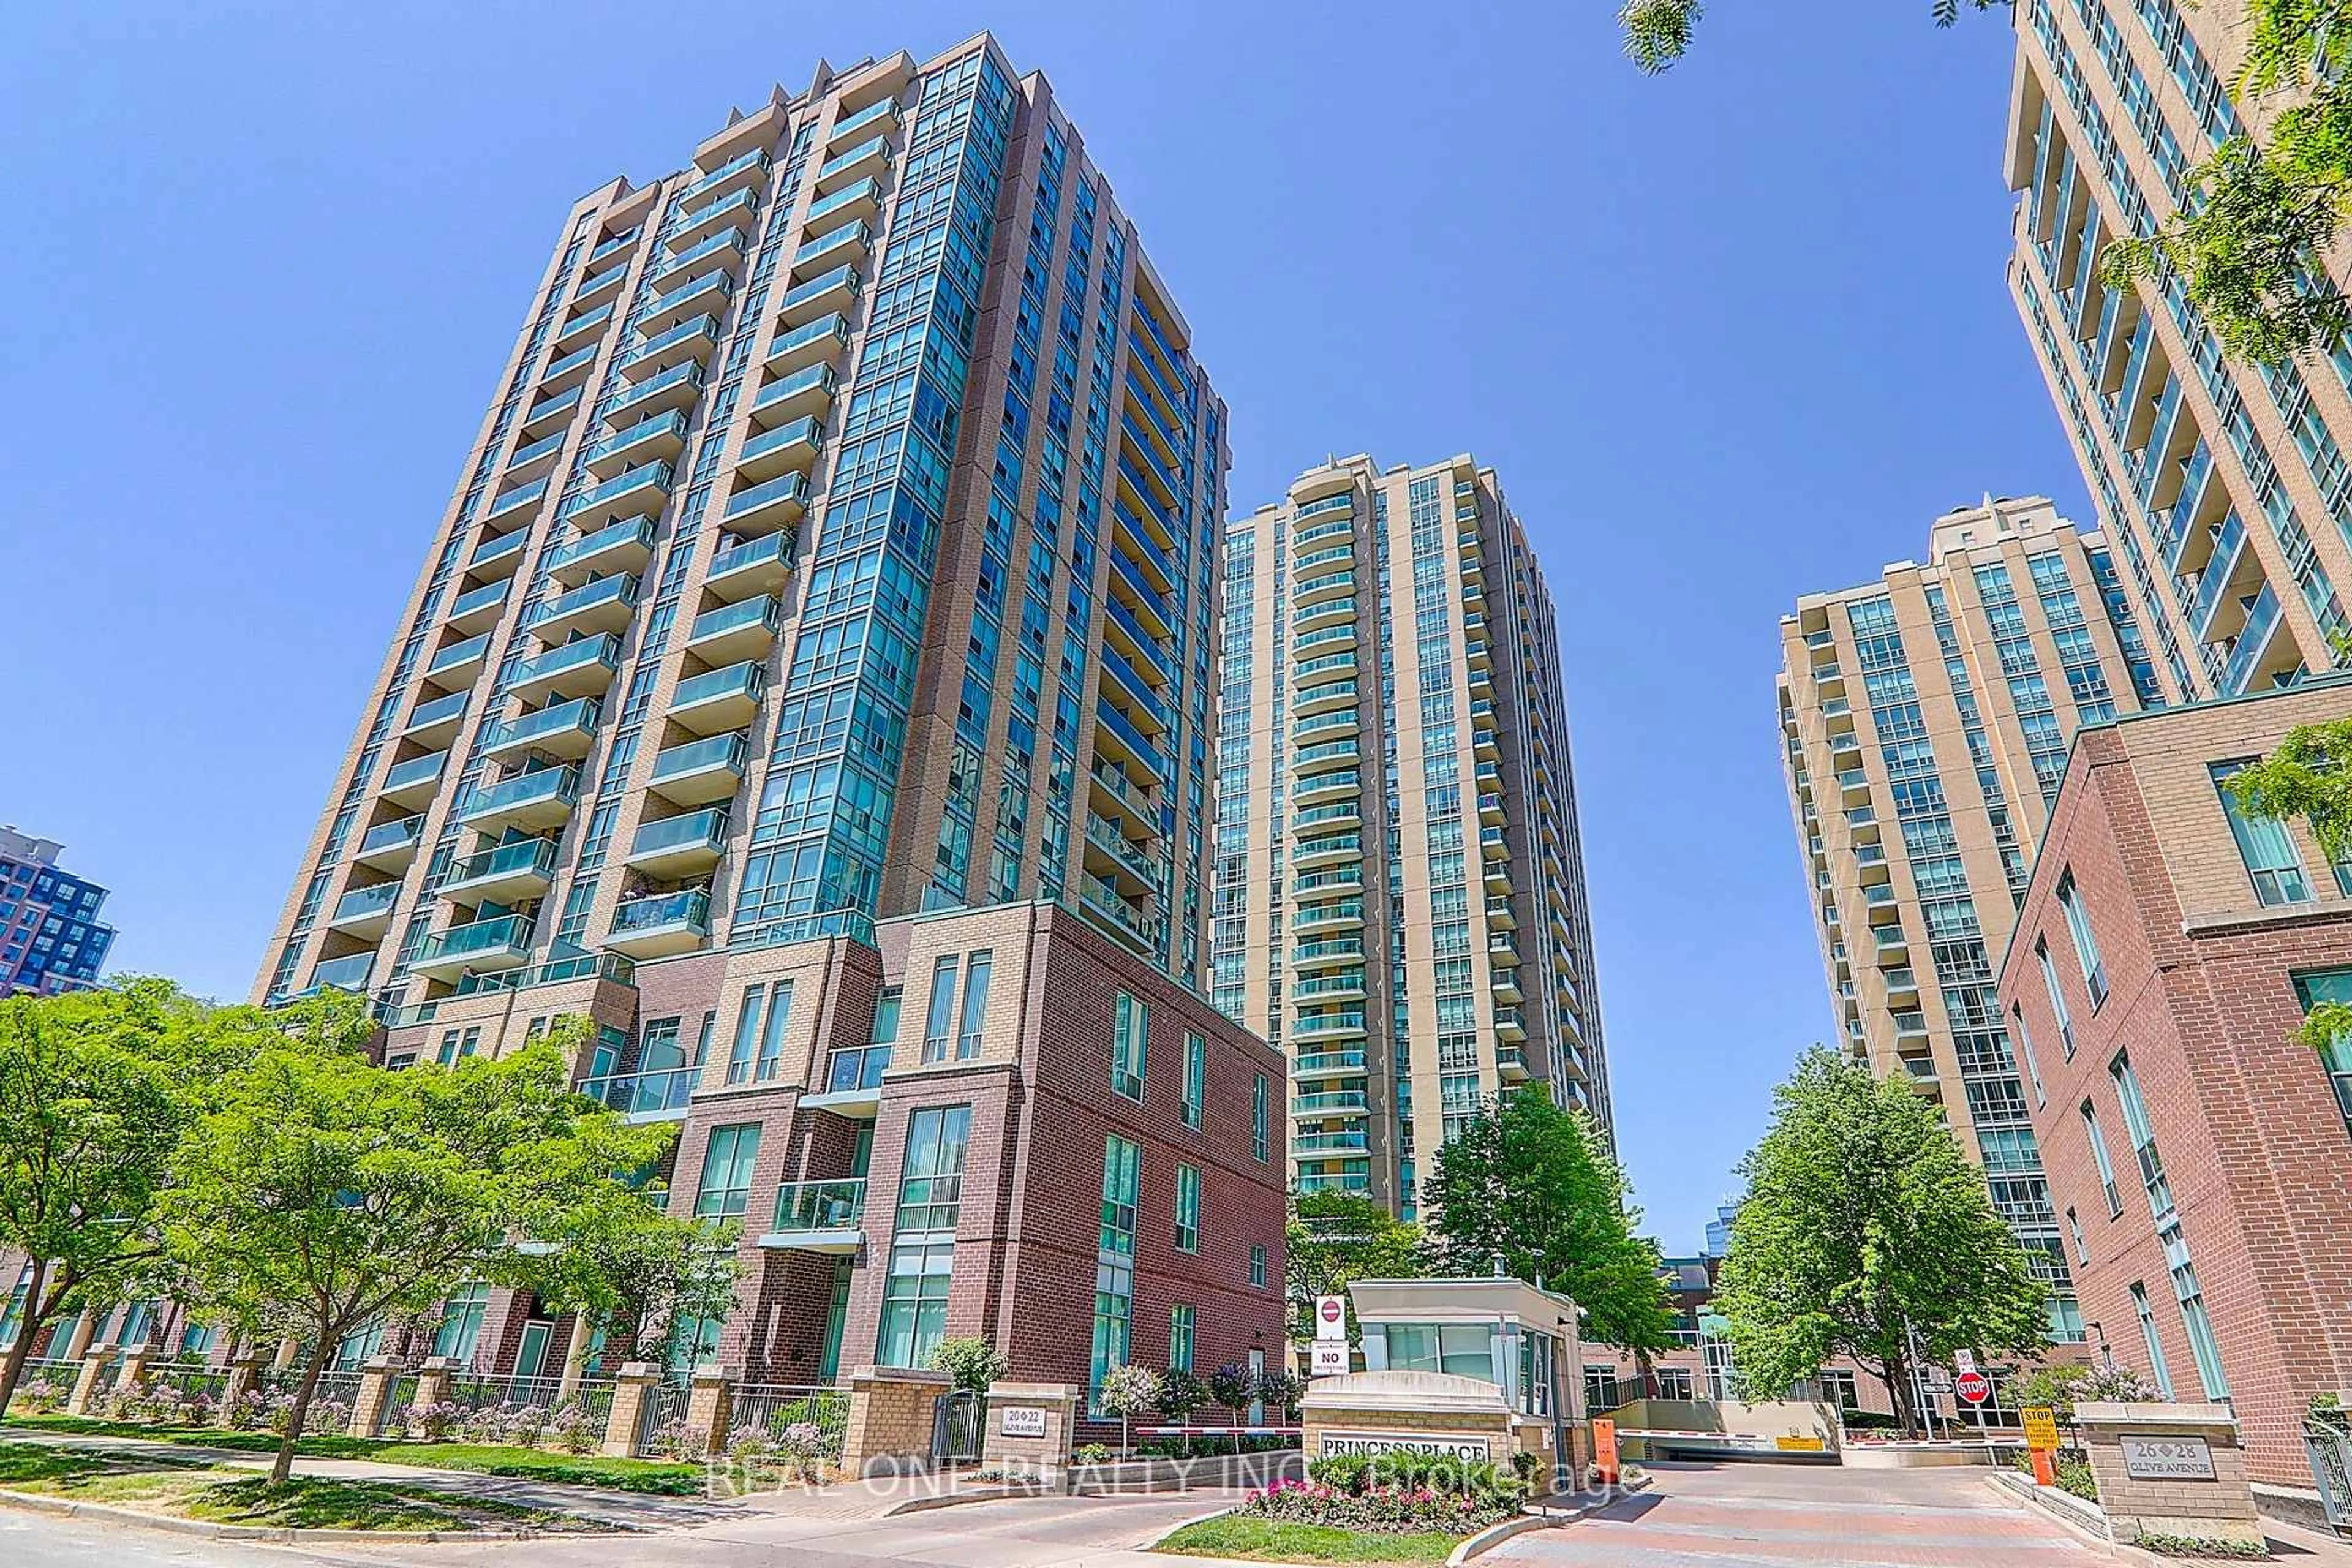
{"x": 283, "y": 1470}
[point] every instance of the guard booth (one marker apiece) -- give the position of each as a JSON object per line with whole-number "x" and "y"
{"x": 1516, "y": 1339}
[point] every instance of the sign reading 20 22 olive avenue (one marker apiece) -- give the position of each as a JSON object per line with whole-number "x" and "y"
{"x": 1437, "y": 1446}
{"x": 1022, "y": 1421}
{"x": 2166, "y": 1458}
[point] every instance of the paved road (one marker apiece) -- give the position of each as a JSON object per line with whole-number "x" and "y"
{"x": 45, "y": 1540}
{"x": 1771, "y": 1516}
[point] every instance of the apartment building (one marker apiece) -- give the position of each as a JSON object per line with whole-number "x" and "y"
{"x": 1398, "y": 878}
{"x": 2168, "y": 948}
{"x": 2225, "y": 487}
{"x": 1925, "y": 721}
{"x": 821, "y": 626}
{"x": 838, "y": 546}
{"x": 51, "y": 938}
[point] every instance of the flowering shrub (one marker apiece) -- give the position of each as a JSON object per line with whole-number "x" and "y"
{"x": 576, "y": 1428}
{"x": 248, "y": 1410}
{"x": 41, "y": 1396}
{"x": 1398, "y": 1510}
{"x": 326, "y": 1418}
{"x": 680, "y": 1441}
{"x": 433, "y": 1423}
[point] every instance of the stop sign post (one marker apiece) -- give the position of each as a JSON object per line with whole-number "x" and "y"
{"x": 1973, "y": 1387}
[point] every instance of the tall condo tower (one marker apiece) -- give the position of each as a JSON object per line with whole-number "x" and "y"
{"x": 1400, "y": 899}
{"x": 838, "y": 546}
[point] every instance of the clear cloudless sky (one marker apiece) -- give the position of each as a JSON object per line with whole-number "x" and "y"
{"x": 1728, "y": 336}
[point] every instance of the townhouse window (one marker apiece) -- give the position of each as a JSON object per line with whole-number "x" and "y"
{"x": 1674, "y": 1382}
{"x": 2057, "y": 998}
{"x": 745, "y": 1050}
{"x": 2098, "y": 1142}
{"x": 1130, "y": 1039}
{"x": 771, "y": 1033}
{"x": 930, "y": 1188}
{"x": 939, "y": 1027}
{"x": 2263, "y": 844}
{"x": 2142, "y": 1135}
{"x": 2336, "y": 1057}
{"x": 914, "y": 1302}
{"x": 1115, "y": 1262}
{"x": 2087, "y": 944}
{"x": 1196, "y": 1081}
{"x": 1179, "y": 1337}
{"x": 2203, "y": 1346}
{"x": 1188, "y": 1208}
{"x": 974, "y": 1021}
{"x": 1257, "y": 1266}
{"x": 724, "y": 1190}
{"x": 461, "y": 1323}
{"x": 1261, "y": 1137}
{"x": 2082, "y": 1247}
{"x": 2159, "y": 1367}
{"x": 2025, "y": 1050}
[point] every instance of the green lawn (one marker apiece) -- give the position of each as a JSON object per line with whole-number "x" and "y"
{"x": 1279, "y": 1541}
{"x": 189, "y": 1489}
{"x": 660, "y": 1478}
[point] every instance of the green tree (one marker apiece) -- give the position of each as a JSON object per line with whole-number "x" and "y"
{"x": 2252, "y": 239}
{"x": 970, "y": 1361}
{"x": 97, "y": 1089}
{"x": 2309, "y": 775}
{"x": 1865, "y": 1225}
{"x": 325, "y": 1192}
{"x": 1534, "y": 1184}
{"x": 1337, "y": 1238}
{"x": 618, "y": 1259}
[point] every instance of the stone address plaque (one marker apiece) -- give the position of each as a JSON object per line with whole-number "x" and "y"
{"x": 2166, "y": 1458}
{"x": 1022, "y": 1421}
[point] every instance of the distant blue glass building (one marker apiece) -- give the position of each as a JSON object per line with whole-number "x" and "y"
{"x": 50, "y": 936}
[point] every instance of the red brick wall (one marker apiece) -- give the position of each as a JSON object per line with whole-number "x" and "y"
{"x": 2254, "y": 1147}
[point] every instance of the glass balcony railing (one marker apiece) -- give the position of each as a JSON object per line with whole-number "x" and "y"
{"x": 690, "y": 909}
{"x": 744, "y": 202}
{"x": 834, "y": 326}
{"x": 540, "y": 447}
{"x": 618, "y": 589}
{"x": 524, "y": 789}
{"x": 735, "y": 617}
{"x": 644, "y": 1093}
{"x": 752, "y": 553}
{"x": 695, "y": 829}
{"x": 350, "y": 974}
{"x": 1143, "y": 541}
{"x": 854, "y": 1068}
{"x": 615, "y": 246}
{"x": 716, "y": 282}
{"x": 360, "y": 902}
{"x": 2253, "y": 642}
{"x": 415, "y": 771}
{"x": 821, "y": 1206}
{"x": 855, "y": 155}
{"x": 718, "y": 751}
{"x": 853, "y": 232}
{"x": 569, "y": 362}
{"x": 457, "y": 655}
{"x": 651, "y": 476}
{"x": 1333, "y": 1102}
{"x": 686, "y": 331}
{"x": 1327, "y": 1023}
{"x": 746, "y": 679}
{"x": 1313, "y": 1145}
{"x": 498, "y": 547}
{"x": 548, "y": 407}
{"x": 440, "y": 710}
{"x": 637, "y": 529}
{"x": 597, "y": 282}
{"x": 586, "y": 321}
{"x": 868, "y": 189}
{"x": 756, "y": 158}
{"x": 818, "y": 288}
{"x": 521, "y": 857}
{"x": 602, "y": 648}
{"x": 879, "y": 110}
{"x": 784, "y": 488}
{"x": 578, "y": 714}
{"x": 801, "y": 432}
{"x": 503, "y": 934}
{"x": 386, "y": 837}
{"x": 688, "y": 375}
{"x": 670, "y": 423}
{"x": 725, "y": 239}
{"x": 476, "y": 600}
{"x": 799, "y": 383}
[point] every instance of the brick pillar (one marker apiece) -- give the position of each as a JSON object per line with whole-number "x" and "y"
{"x": 890, "y": 1417}
{"x": 631, "y": 1389}
{"x": 1029, "y": 1425}
{"x": 574, "y": 1355}
{"x": 710, "y": 1406}
{"x": 94, "y": 1362}
{"x": 85, "y": 1330}
{"x": 132, "y": 1377}
{"x": 284, "y": 1360}
{"x": 375, "y": 1393}
{"x": 433, "y": 1382}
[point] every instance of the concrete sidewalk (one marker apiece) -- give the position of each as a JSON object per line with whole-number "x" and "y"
{"x": 624, "y": 1509}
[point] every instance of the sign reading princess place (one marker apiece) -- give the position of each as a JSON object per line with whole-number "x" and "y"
{"x": 1466, "y": 1450}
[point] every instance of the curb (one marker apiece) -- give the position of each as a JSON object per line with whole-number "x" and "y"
{"x": 2024, "y": 1491}
{"x": 951, "y": 1500}
{"x": 1493, "y": 1535}
{"x": 284, "y": 1535}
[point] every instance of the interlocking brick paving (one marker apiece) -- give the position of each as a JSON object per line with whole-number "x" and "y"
{"x": 1701, "y": 1516}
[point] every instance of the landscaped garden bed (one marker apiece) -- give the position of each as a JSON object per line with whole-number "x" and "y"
{"x": 1388, "y": 1508}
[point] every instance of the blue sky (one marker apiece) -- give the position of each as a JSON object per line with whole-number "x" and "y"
{"x": 1729, "y": 336}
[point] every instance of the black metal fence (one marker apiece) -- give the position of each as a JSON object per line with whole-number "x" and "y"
{"x": 805, "y": 1421}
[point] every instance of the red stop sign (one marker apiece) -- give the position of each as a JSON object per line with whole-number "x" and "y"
{"x": 1973, "y": 1387}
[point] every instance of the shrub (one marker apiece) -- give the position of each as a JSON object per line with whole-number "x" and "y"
{"x": 1180, "y": 1394}
{"x": 576, "y": 1428}
{"x": 433, "y": 1423}
{"x": 971, "y": 1361}
{"x": 2076, "y": 1477}
{"x": 1282, "y": 1391}
{"x": 248, "y": 1410}
{"x": 2201, "y": 1546}
{"x": 41, "y": 1396}
{"x": 677, "y": 1440}
{"x": 1233, "y": 1385}
{"x": 1383, "y": 1509}
{"x": 1090, "y": 1454}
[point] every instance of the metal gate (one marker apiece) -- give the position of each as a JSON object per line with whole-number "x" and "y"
{"x": 2329, "y": 1443}
{"x": 955, "y": 1426}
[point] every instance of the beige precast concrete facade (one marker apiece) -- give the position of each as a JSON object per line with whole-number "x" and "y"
{"x": 1399, "y": 879}
{"x": 2226, "y": 490}
{"x": 840, "y": 544}
{"x": 1925, "y": 721}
